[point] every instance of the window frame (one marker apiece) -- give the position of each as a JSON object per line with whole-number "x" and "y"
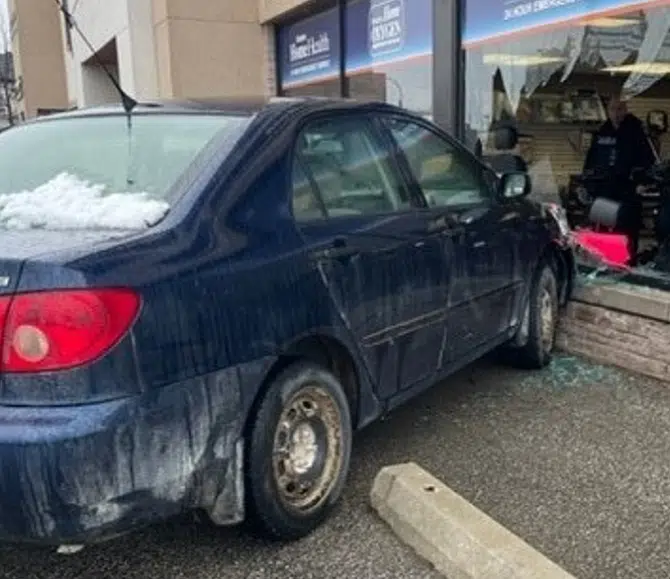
{"x": 299, "y": 161}
{"x": 380, "y": 138}
{"x": 457, "y": 147}
{"x": 297, "y": 16}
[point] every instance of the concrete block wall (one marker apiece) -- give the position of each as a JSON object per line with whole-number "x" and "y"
{"x": 210, "y": 49}
{"x": 621, "y": 325}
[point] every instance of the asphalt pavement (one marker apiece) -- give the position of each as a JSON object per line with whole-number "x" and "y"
{"x": 574, "y": 459}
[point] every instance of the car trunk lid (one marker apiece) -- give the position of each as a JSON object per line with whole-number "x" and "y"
{"x": 43, "y": 245}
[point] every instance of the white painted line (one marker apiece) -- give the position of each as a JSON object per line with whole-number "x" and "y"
{"x": 457, "y": 538}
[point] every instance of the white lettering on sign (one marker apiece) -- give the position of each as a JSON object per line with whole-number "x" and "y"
{"x": 525, "y": 8}
{"x": 306, "y": 47}
{"x": 387, "y": 26}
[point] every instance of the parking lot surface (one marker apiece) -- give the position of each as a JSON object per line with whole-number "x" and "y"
{"x": 574, "y": 459}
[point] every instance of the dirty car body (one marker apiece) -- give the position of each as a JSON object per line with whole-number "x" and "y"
{"x": 240, "y": 277}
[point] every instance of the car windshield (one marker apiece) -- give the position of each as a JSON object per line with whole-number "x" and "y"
{"x": 93, "y": 173}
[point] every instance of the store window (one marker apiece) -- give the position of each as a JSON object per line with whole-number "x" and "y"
{"x": 309, "y": 59}
{"x": 551, "y": 73}
{"x": 389, "y": 52}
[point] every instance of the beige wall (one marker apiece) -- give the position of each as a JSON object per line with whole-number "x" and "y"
{"x": 210, "y": 49}
{"x": 38, "y": 51}
{"x": 272, "y": 9}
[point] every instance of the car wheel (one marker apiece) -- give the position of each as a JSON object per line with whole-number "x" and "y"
{"x": 534, "y": 344}
{"x": 299, "y": 449}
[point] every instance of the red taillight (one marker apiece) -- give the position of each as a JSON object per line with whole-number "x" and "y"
{"x": 57, "y": 330}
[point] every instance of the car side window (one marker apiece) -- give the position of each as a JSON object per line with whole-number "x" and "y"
{"x": 306, "y": 203}
{"x": 447, "y": 176}
{"x": 352, "y": 171}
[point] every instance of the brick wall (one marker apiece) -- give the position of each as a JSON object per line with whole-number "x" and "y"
{"x": 622, "y": 325}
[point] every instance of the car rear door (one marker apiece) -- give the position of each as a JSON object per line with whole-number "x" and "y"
{"x": 364, "y": 233}
{"x": 458, "y": 190}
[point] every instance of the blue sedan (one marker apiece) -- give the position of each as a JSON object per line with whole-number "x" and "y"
{"x": 201, "y": 302}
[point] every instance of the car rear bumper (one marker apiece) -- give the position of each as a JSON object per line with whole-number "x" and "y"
{"x": 76, "y": 475}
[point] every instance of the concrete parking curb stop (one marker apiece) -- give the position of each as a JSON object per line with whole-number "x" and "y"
{"x": 457, "y": 538}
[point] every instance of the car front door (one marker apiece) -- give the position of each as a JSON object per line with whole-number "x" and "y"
{"x": 457, "y": 188}
{"x": 362, "y": 230}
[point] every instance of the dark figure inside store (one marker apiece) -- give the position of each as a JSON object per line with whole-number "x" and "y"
{"x": 619, "y": 148}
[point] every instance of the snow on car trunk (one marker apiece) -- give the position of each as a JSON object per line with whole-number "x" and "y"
{"x": 67, "y": 202}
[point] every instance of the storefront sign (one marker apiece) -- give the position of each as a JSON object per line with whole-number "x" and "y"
{"x": 386, "y": 31}
{"x": 386, "y": 24}
{"x": 490, "y": 19}
{"x": 310, "y": 49}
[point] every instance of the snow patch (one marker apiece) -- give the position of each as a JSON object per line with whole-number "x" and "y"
{"x": 67, "y": 202}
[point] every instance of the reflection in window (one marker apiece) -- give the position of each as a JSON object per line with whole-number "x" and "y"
{"x": 445, "y": 175}
{"x": 306, "y": 204}
{"x": 309, "y": 56}
{"x": 389, "y": 52}
{"x": 350, "y": 169}
{"x": 327, "y": 88}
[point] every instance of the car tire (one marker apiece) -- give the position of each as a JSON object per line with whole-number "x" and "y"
{"x": 533, "y": 346}
{"x": 299, "y": 449}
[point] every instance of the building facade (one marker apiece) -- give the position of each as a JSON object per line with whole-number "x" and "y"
{"x": 7, "y": 84}
{"x": 204, "y": 48}
{"x": 547, "y": 67}
{"x": 154, "y": 48}
{"x": 467, "y": 64}
{"x": 35, "y": 31}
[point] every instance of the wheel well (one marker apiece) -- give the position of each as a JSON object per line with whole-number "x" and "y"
{"x": 326, "y": 352}
{"x": 561, "y": 262}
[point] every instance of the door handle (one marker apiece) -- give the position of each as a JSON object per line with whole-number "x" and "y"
{"x": 341, "y": 253}
{"x": 339, "y": 250}
{"x": 446, "y": 225}
{"x": 438, "y": 224}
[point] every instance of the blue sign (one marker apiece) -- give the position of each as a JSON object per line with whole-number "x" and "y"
{"x": 490, "y": 19}
{"x": 309, "y": 50}
{"x": 386, "y": 31}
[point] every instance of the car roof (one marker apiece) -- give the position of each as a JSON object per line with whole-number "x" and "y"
{"x": 248, "y": 106}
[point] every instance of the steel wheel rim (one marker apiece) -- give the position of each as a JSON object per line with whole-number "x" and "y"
{"x": 307, "y": 449}
{"x": 547, "y": 320}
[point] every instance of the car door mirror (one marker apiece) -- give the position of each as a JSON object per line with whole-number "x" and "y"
{"x": 515, "y": 185}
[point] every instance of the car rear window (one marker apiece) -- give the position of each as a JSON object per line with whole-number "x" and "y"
{"x": 94, "y": 172}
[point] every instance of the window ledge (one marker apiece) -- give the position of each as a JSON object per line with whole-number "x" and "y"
{"x": 626, "y": 298}
{"x": 619, "y": 324}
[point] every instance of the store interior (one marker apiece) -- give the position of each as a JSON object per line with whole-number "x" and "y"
{"x": 552, "y": 86}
